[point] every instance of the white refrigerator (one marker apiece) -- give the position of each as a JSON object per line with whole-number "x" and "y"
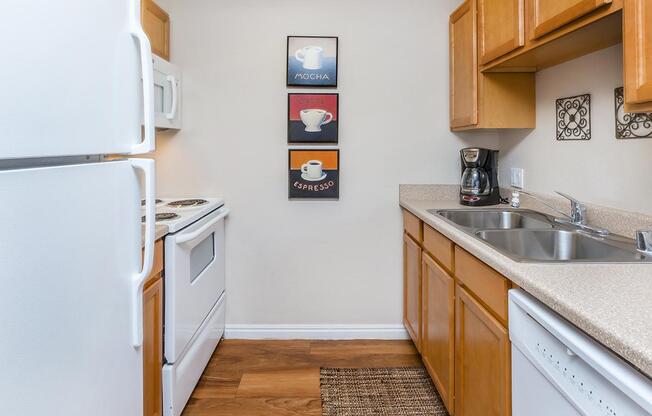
{"x": 76, "y": 85}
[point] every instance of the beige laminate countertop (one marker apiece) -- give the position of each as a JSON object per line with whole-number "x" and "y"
{"x": 160, "y": 232}
{"x": 610, "y": 302}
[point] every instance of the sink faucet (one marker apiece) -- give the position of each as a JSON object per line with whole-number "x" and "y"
{"x": 577, "y": 216}
{"x": 578, "y": 210}
{"x": 644, "y": 241}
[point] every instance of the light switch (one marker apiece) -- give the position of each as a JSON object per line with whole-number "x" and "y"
{"x": 517, "y": 180}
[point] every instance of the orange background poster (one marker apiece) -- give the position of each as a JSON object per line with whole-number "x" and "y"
{"x": 318, "y": 180}
{"x": 328, "y": 157}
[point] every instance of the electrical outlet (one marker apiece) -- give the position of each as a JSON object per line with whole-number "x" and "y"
{"x": 517, "y": 179}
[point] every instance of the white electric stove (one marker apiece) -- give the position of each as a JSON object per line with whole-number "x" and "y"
{"x": 178, "y": 213}
{"x": 195, "y": 298}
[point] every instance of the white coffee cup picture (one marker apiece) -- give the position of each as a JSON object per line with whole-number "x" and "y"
{"x": 310, "y": 56}
{"x": 313, "y": 170}
{"x": 314, "y": 118}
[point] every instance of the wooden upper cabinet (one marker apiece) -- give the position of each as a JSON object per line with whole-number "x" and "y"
{"x": 483, "y": 363}
{"x": 484, "y": 101}
{"x": 548, "y": 15}
{"x": 438, "y": 343}
{"x": 412, "y": 289}
{"x": 156, "y": 23}
{"x": 501, "y": 27}
{"x": 463, "y": 66}
{"x": 637, "y": 45}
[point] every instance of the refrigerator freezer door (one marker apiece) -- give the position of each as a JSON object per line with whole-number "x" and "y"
{"x": 70, "y": 254}
{"x": 73, "y": 75}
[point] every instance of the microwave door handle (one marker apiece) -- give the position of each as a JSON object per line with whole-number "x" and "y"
{"x": 185, "y": 238}
{"x": 175, "y": 97}
{"x": 148, "y": 168}
{"x": 147, "y": 73}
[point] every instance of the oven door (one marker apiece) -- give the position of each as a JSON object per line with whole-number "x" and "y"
{"x": 194, "y": 279}
{"x": 167, "y": 94}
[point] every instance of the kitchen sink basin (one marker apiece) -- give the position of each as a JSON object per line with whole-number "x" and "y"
{"x": 530, "y": 236}
{"x": 496, "y": 219}
{"x": 559, "y": 246}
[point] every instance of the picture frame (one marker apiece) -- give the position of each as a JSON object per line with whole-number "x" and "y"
{"x": 314, "y": 174}
{"x": 312, "y": 61}
{"x": 313, "y": 118}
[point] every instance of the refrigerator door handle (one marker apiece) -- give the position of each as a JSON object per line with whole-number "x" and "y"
{"x": 147, "y": 68}
{"x": 173, "y": 110}
{"x": 148, "y": 168}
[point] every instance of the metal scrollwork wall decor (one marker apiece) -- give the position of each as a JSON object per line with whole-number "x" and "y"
{"x": 631, "y": 125}
{"x": 574, "y": 118}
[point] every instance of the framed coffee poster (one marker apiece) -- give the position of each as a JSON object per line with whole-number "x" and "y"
{"x": 314, "y": 174}
{"x": 312, "y": 61}
{"x": 313, "y": 118}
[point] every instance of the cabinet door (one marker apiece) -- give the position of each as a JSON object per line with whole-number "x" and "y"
{"x": 153, "y": 348}
{"x": 412, "y": 289}
{"x": 548, "y": 15}
{"x": 156, "y": 23}
{"x": 438, "y": 344}
{"x": 501, "y": 28}
{"x": 463, "y": 66}
{"x": 482, "y": 370}
{"x": 637, "y": 44}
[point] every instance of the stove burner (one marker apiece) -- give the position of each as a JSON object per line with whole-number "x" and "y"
{"x": 163, "y": 216}
{"x": 185, "y": 203}
{"x": 142, "y": 202}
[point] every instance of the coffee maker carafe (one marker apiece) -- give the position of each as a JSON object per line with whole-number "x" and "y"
{"x": 479, "y": 184}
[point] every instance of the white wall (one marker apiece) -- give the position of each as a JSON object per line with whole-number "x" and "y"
{"x": 604, "y": 170}
{"x": 311, "y": 262}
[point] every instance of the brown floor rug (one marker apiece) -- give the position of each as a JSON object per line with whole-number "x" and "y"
{"x": 405, "y": 391}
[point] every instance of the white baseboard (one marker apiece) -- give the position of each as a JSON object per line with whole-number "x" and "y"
{"x": 324, "y": 332}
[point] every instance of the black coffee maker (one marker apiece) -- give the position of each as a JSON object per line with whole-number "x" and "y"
{"x": 479, "y": 185}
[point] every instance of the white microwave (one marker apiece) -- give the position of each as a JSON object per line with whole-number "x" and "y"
{"x": 167, "y": 94}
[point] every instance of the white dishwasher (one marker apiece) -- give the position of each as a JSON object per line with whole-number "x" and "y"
{"x": 558, "y": 370}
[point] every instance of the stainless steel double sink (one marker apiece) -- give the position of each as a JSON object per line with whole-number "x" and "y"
{"x": 530, "y": 236}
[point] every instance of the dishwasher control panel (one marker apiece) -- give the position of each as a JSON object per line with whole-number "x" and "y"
{"x": 571, "y": 365}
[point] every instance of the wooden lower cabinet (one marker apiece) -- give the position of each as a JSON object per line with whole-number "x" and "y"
{"x": 482, "y": 360}
{"x": 438, "y": 341}
{"x": 412, "y": 288}
{"x": 455, "y": 310}
{"x": 153, "y": 347}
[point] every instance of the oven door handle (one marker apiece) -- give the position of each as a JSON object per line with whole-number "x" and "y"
{"x": 185, "y": 238}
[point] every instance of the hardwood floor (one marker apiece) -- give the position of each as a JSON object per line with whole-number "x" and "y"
{"x": 281, "y": 378}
